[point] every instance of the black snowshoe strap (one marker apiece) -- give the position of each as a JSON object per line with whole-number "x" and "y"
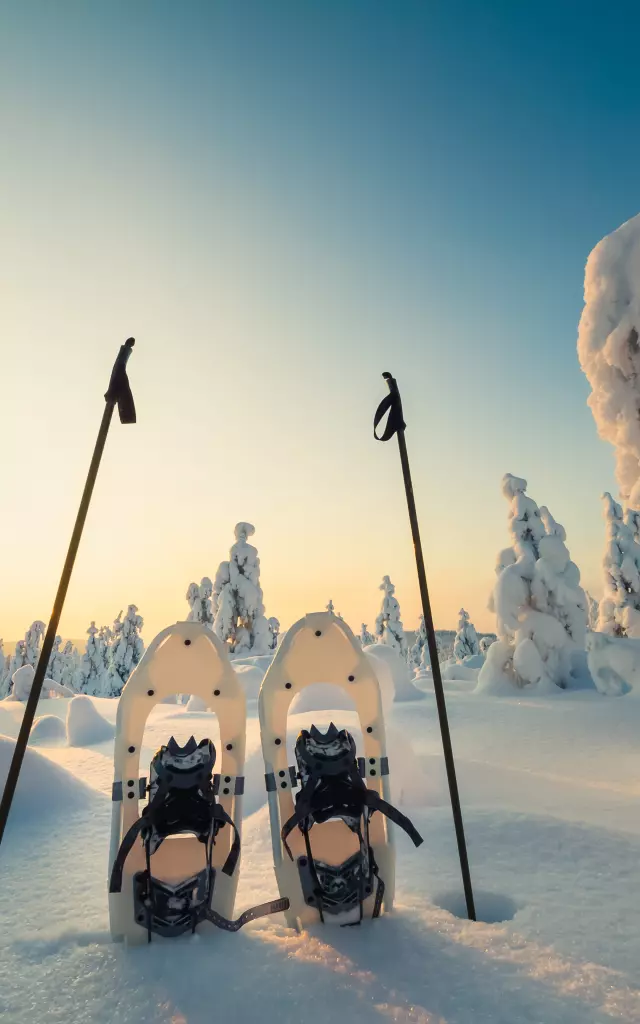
{"x": 363, "y": 797}
{"x": 376, "y": 803}
{"x": 126, "y": 846}
{"x": 262, "y": 910}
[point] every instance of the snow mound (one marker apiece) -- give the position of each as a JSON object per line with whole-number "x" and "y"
{"x": 393, "y": 674}
{"x": 250, "y": 677}
{"x": 614, "y": 663}
{"x": 43, "y": 787}
{"x": 321, "y": 697}
{"x": 48, "y": 730}
{"x": 195, "y": 704}
{"x": 85, "y": 724}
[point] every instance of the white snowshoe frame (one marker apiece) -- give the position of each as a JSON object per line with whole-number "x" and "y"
{"x": 184, "y": 658}
{"x": 322, "y": 649}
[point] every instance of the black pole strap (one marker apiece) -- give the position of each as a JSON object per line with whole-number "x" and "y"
{"x": 396, "y": 425}
{"x": 119, "y": 392}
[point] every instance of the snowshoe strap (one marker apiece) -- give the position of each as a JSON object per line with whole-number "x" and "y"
{"x": 376, "y": 803}
{"x": 229, "y": 866}
{"x": 126, "y": 846}
{"x": 262, "y": 910}
{"x": 301, "y": 812}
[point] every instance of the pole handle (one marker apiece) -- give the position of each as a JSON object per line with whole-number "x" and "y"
{"x": 393, "y": 405}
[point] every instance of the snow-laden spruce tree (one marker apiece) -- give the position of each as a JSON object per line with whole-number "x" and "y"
{"x": 70, "y": 665}
{"x": 609, "y": 349}
{"x": 92, "y": 667}
{"x": 330, "y": 607}
{"x": 127, "y": 648}
{"x": 33, "y": 641}
{"x": 539, "y": 604}
{"x": 199, "y": 598}
{"x": 415, "y": 654}
{"x": 365, "y": 636}
{"x": 593, "y": 612}
{"x": 55, "y": 666}
{"x": 466, "y": 641}
{"x": 389, "y": 628}
{"x": 16, "y": 661}
{"x": 485, "y": 644}
{"x": 238, "y": 607}
{"x": 5, "y": 679}
{"x": 274, "y": 632}
{"x": 619, "y": 611}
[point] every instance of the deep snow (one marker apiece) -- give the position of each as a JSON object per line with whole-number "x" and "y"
{"x": 550, "y": 792}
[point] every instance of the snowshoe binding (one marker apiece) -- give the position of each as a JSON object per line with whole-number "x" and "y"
{"x": 182, "y": 800}
{"x": 332, "y": 787}
{"x": 333, "y": 855}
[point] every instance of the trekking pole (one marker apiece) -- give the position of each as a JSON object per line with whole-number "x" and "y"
{"x": 396, "y": 425}
{"x": 118, "y": 393}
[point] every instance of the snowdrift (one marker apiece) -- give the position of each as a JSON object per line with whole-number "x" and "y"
{"x": 85, "y": 724}
{"x": 43, "y": 787}
{"x": 393, "y": 675}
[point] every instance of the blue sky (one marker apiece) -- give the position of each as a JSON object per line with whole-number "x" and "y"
{"x": 281, "y": 200}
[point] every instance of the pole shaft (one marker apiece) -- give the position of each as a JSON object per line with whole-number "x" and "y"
{"x": 52, "y": 628}
{"x": 437, "y": 680}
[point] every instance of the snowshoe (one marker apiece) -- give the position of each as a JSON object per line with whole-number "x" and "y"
{"x": 177, "y": 863}
{"x": 333, "y": 855}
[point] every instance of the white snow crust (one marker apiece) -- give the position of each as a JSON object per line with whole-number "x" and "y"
{"x": 85, "y": 725}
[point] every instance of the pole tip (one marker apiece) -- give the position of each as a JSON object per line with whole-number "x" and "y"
{"x": 387, "y": 376}
{"x": 130, "y": 342}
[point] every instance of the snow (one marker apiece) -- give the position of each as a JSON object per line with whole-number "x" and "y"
{"x": 549, "y": 796}
{"x": 23, "y": 680}
{"x": 619, "y": 609}
{"x": 608, "y": 348}
{"x": 614, "y": 664}
{"x": 251, "y": 677}
{"x": 466, "y": 641}
{"x": 199, "y": 599}
{"x": 85, "y": 725}
{"x": 393, "y": 674}
{"x": 47, "y": 730}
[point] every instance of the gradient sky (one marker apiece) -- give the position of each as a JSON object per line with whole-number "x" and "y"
{"x": 280, "y": 201}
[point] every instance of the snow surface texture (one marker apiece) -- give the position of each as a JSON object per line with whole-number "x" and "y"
{"x": 85, "y": 724}
{"x": 609, "y": 348}
{"x": 550, "y": 813}
{"x": 47, "y": 731}
{"x": 466, "y": 641}
{"x": 614, "y": 664}
{"x": 238, "y": 607}
{"x": 619, "y": 609}
{"x": 389, "y": 630}
{"x": 539, "y": 604}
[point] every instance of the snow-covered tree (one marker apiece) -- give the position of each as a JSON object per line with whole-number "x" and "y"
{"x": 238, "y": 607}
{"x": 466, "y": 641}
{"x": 92, "y": 668}
{"x": 539, "y": 604}
{"x": 485, "y": 644}
{"x": 127, "y": 648}
{"x": 389, "y": 628}
{"x": 33, "y": 642}
{"x": 16, "y": 661}
{"x": 609, "y": 349}
{"x": 70, "y": 665}
{"x": 365, "y": 636}
{"x": 415, "y": 654}
{"x": 5, "y": 679}
{"x": 199, "y": 598}
{"x": 593, "y": 611}
{"x": 274, "y": 631}
{"x": 55, "y": 666}
{"x": 619, "y": 611}
{"x": 330, "y": 607}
